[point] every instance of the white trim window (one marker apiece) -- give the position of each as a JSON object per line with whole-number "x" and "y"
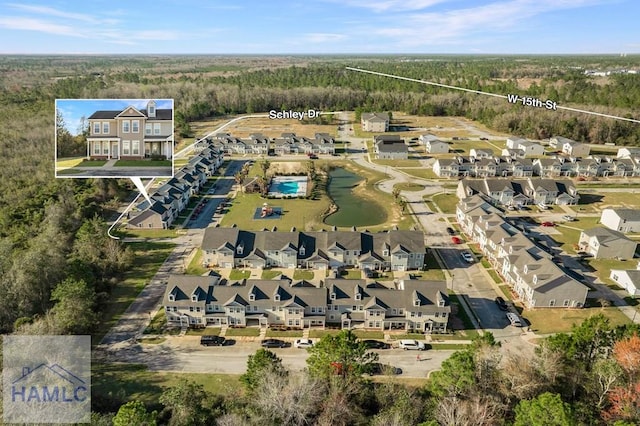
{"x": 135, "y": 126}
{"x": 152, "y": 110}
{"x": 106, "y": 128}
{"x": 156, "y": 128}
{"x": 105, "y": 148}
{"x": 96, "y": 147}
{"x": 135, "y": 147}
{"x": 96, "y": 128}
{"x": 125, "y": 126}
{"x": 125, "y": 147}
{"x": 148, "y": 129}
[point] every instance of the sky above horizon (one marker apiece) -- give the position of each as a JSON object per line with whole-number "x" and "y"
{"x": 320, "y": 27}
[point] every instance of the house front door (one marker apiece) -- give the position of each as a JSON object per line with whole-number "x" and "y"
{"x": 115, "y": 152}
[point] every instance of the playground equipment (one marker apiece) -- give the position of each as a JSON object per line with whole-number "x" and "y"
{"x": 266, "y": 210}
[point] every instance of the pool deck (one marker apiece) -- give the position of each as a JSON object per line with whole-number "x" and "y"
{"x": 302, "y": 186}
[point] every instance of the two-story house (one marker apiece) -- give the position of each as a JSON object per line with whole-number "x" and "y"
{"x": 131, "y": 133}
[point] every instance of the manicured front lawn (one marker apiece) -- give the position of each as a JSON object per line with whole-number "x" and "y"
{"x": 147, "y": 233}
{"x": 288, "y": 333}
{"x": 414, "y": 336}
{"x": 398, "y": 163}
{"x": 446, "y": 202}
{"x": 91, "y": 163}
{"x": 603, "y": 267}
{"x": 351, "y": 274}
{"x": 270, "y": 274}
{"x": 558, "y": 320}
{"x": 152, "y": 340}
{"x": 148, "y": 257}
{"x": 251, "y": 332}
{"x": 318, "y": 334}
{"x": 157, "y": 323}
{"x": 206, "y": 331}
{"x": 433, "y": 272}
{"x": 143, "y": 163}
{"x": 119, "y": 383}
{"x": 447, "y": 346}
{"x": 422, "y": 173}
{"x": 366, "y": 334}
{"x": 461, "y": 313}
{"x": 239, "y": 274}
{"x": 301, "y": 274}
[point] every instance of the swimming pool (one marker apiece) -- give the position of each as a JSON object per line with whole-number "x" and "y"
{"x": 292, "y": 186}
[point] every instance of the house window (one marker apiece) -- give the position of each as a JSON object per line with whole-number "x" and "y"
{"x": 416, "y": 302}
{"x": 105, "y": 128}
{"x": 255, "y": 308}
{"x": 437, "y": 314}
{"x": 156, "y": 128}
{"x": 152, "y": 110}
{"x": 191, "y": 309}
{"x": 358, "y": 296}
{"x": 125, "y": 126}
{"x": 400, "y": 311}
{"x": 96, "y": 147}
{"x": 197, "y": 308}
{"x": 313, "y": 310}
{"x": 172, "y": 298}
{"x": 252, "y": 297}
{"x": 135, "y": 126}
{"x": 385, "y": 252}
{"x": 276, "y": 297}
{"x": 147, "y": 129}
{"x": 239, "y": 249}
{"x": 332, "y": 296}
{"x": 96, "y": 128}
{"x": 135, "y": 148}
{"x": 565, "y": 303}
{"x": 552, "y": 303}
{"x": 302, "y": 251}
{"x": 125, "y": 147}
{"x": 615, "y": 277}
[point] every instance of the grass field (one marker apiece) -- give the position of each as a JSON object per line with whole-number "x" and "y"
{"x": 207, "y": 331}
{"x": 408, "y": 186}
{"x": 570, "y": 232}
{"x": 284, "y": 333}
{"x": 398, "y": 163}
{"x": 274, "y": 128}
{"x": 422, "y": 173}
{"x": 146, "y": 233}
{"x": 128, "y": 382}
{"x": 544, "y": 321}
{"x": 149, "y": 256}
{"x": 300, "y": 274}
{"x": 446, "y": 202}
{"x": 239, "y": 274}
{"x": 270, "y": 274}
{"x": 318, "y": 334}
{"x": 79, "y": 162}
{"x": 195, "y": 266}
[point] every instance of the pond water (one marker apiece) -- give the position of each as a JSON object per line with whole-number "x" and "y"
{"x": 352, "y": 209}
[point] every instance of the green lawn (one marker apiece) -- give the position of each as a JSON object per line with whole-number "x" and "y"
{"x": 239, "y": 274}
{"x": 433, "y": 271}
{"x": 559, "y": 320}
{"x": 603, "y": 267}
{"x": 195, "y": 266}
{"x": 446, "y": 202}
{"x": 128, "y": 382}
{"x": 251, "y": 332}
{"x": 152, "y": 340}
{"x": 352, "y": 274}
{"x": 301, "y": 274}
{"x": 408, "y": 186}
{"x": 398, "y": 163}
{"x": 143, "y": 163}
{"x": 422, "y": 173}
{"x": 148, "y": 257}
{"x": 69, "y": 172}
{"x": 366, "y": 334}
{"x": 270, "y": 274}
{"x": 286, "y": 333}
{"x": 447, "y": 346}
{"x": 91, "y": 163}
{"x": 570, "y": 232}
{"x": 207, "y": 331}
{"x": 461, "y": 313}
{"x": 157, "y": 323}
{"x": 146, "y": 233}
{"x": 318, "y": 334}
{"x": 414, "y": 336}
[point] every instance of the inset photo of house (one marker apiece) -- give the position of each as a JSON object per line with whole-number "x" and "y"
{"x": 114, "y": 138}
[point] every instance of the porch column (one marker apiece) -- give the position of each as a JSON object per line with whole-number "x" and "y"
{"x": 88, "y": 149}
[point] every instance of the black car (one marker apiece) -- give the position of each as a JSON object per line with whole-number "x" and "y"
{"x": 501, "y": 304}
{"x": 450, "y": 230}
{"x": 375, "y": 344}
{"x": 273, "y": 343}
{"x": 212, "y": 340}
{"x": 379, "y": 368}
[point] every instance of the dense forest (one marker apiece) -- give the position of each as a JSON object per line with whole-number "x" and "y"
{"x": 57, "y": 266}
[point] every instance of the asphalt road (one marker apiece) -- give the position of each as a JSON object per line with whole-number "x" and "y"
{"x": 121, "y": 172}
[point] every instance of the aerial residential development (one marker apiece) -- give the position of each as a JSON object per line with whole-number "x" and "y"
{"x": 301, "y": 239}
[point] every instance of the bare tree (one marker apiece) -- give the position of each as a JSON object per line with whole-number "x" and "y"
{"x": 477, "y": 410}
{"x": 292, "y": 399}
{"x": 521, "y": 376}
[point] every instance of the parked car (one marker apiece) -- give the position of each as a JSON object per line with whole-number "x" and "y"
{"x": 303, "y": 343}
{"x": 501, "y": 304}
{"x": 451, "y": 231}
{"x": 510, "y": 208}
{"x": 273, "y": 343}
{"x": 212, "y": 341}
{"x": 456, "y": 240}
{"x": 548, "y": 224}
{"x": 484, "y": 139}
{"x": 468, "y": 257}
{"x": 543, "y": 206}
{"x": 514, "y": 319}
{"x": 379, "y": 368}
{"x": 569, "y": 218}
{"x": 414, "y": 345}
{"x": 375, "y": 344}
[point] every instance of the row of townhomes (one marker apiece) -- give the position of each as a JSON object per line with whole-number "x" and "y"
{"x": 479, "y": 164}
{"x": 173, "y": 196}
{"x": 131, "y": 134}
{"x": 416, "y": 305}
{"x": 395, "y": 250}
{"x": 517, "y": 192}
{"x": 287, "y": 143}
{"x": 374, "y": 121}
{"x": 528, "y": 269}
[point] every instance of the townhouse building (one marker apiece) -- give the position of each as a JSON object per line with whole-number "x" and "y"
{"x": 414, "y": 305}
{"x": 395, "y": 250}
{"x": 529, "y": 271}
{"x": 514, "y": 192}
{"x": 374, "y": 122}
{"x": 622, "y": 220}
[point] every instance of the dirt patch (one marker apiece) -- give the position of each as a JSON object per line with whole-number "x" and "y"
{"x": 274, "y": 128}
{"x": 286, "y": 167}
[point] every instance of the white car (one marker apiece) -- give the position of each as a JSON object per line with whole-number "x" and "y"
{"x": 543, "y": 206}
{"x": 411, "y": 345}
{"x": 514, "y": 319}
{"x": 569, "y": 218}
{"x": 468, "y": 257}
{"x": 303, "y": 343}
